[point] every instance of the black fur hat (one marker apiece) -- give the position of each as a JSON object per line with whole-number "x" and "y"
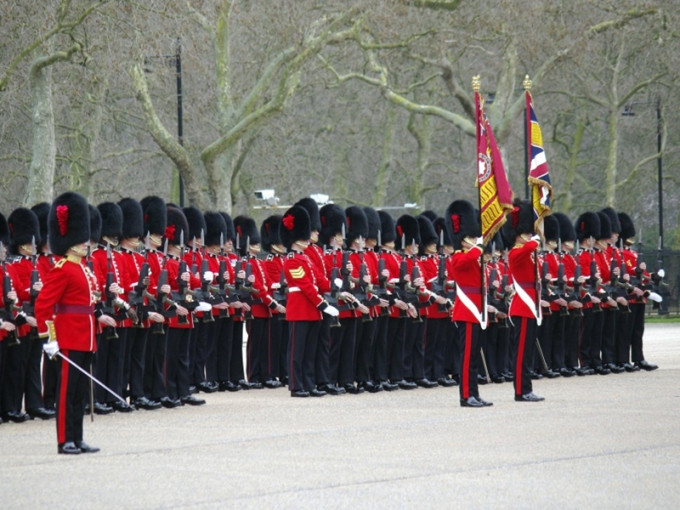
{"x": 388, "y": 232}
{"x": 461, "y": 221}
{"x": 196, "y": 222}
{"x": 627, "y": 228}
{"x": 332, "y": 219}
{"x": 269, "y": 231}
{"x": 246, "y": 232}
{"x": 551, "y": 228}
{"x": 155, "y": 215}
{"x": 215, "y": 228}
{"x": 373, "y": 222}
{"x": 177, "y": 228}
{"x": 587, "y": 225}
{"x": 613, "y": 219}
{"x": 68, "y": 223}
{"x": 429, "y": 214}
{"x": 442, "y": 232}
{"x": 4, "y": 231}
{"x": 133, "y": 218}
{"x": 428, "y": 235}
{"x": 231, "y": 233}
{"x": 567, "y": 232}
{"x": 95, "y": 224}
{"x": 112, "y": 219}
{"x": 23, "y": 228}
{"x": 357, "y": 223}
{"x": 42, "y": 210}
{"x": 520, "y": 220}
{"x": 312, "y": 209}
{"x": 605, "y": 226}
{"x": 407, "y": 231}
{"x": 295, "y": 226}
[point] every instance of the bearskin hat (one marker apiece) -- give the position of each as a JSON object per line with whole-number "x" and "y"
{"x": 332, "y": 219}
{"x": 373, "y": 222}
{"x": 442, "y": 232}
{"x": 23, "y": 228}
{"x": 461, "y": 221}
{"x": 312, "y": 209}
{"x": 429, "y": 214}
{"x": 520, "y": 220}
{"x": 42, "y": 210}
{"x": 196, "y": 222}
{"x": 428, "y": 235}
{"x": 177, "y": 228}
{"x": 231, "y": 233}
{"x": 95, "y": 224}
{"x": 627, "y": 228}
{"x": 587, "y": 225}
{"x": 407, "y": 231}
{"x": 551, "y": 228}
{"x": 215, "y": 229}
{"x": 295, "y": 226}
{"x": 4, "y": 231}
{"x": 567, "y": 232}
{"x": 246, "y": 233}
{"x": 133, "y": 218}
{"x": 357, "y": 223}
{"x": 155, "y": 215}
{"x": 613, "y": 219}
{"x": 269, "y": 231}
{"x": 112, "y": 219}
{"x": 605, "y": 226}
{"x": 68, "y": 223}
{"x": 388, "y": 232}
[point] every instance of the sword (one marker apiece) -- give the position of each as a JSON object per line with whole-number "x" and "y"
{"x": 92, "y": 378}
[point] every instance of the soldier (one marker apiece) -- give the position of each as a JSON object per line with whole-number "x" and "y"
{"x": 525, "y": 306}
{"x": 65, "y": 312}
{"x": 466, "y": 269}
{"x": 305, "y": 303}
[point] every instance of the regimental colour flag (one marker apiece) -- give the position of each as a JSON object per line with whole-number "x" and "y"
{"x": 495, "y": 194}
{"x": 539, "y": 176}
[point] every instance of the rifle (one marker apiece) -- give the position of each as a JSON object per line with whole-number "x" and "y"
{"x": 593, "y": 281}
{"x": 29, "y": 308}
{"x": 10, "y": 305}
{"x": 184, "y": 296}
{"x": 413, "y": 292}
{"x": 109, "y": 332}
{"x": 137, "y": 295}
{"x": 162, "y": 299}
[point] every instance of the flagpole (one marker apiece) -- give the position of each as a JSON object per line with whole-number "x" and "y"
{"x": 476, "y": 86}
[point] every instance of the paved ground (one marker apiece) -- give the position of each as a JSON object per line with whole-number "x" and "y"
{"x": 596, "y": 442}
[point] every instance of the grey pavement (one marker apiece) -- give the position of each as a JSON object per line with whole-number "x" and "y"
{"x": 596, "y": 442}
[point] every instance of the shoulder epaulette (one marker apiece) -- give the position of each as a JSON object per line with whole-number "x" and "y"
{"x": 269, "y": 258}
{"x": 61, "y": 262}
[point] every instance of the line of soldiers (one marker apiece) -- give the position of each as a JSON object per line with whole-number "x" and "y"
{"x": 333, "y": 301}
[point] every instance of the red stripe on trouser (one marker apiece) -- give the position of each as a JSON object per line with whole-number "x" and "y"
{"x": 520, "y": 356}
{"x": 467, "y": 352}
{"x": 291, "y": 356}
{"x": 61, "y": 401}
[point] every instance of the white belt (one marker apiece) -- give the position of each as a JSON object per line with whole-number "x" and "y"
{"x": 293, "y": 289}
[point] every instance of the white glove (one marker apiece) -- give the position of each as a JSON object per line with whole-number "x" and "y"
{"x": 203, "y": 307}
{"x": 208, "y": 276}
{"x": 661, "y": 273}
{"x": 479, "y": 241}
{"x": 331, "y": 310}
{"x": 536, "y": 238}
{"x": 51, "y": 348}
{"x": 655, "y": 297}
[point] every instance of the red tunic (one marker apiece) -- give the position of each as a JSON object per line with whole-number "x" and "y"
{"x": 303, "y": 292}
{"x": 522, "y": 266}
{"x": 464, "y": 267}
{"x": 68, "y": 297}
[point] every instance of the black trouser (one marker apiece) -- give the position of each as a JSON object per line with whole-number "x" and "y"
{"x": 137, "y": 346}
{"x": 610, "y": 316}
{"x": 203, "y": 341}
{"x": 322, "y": 367}
{"x": 545, "y": 340}
{"x": 177, "y": 375}
{"x": 302, "y": 346}
{"x": 379, "y": 364}
{"x": 573, "y": 325}
{"x": 258, "y": 349}
{"x": 236, "y": 373}
{"x": 278, "y": 359}
{"x": 223, "y": 346}
{"x": 12, "y": 384}
{"x": 556, "y": 333}
{"x": 469, "y": 346}
{"x": 637, "y": 331}
{"x": 341, "y": 354}
{"x": 452, "y": 359}
{"x": 395, "y": 348}
{"x": 108, "y": 364}
{"x": 624, "y": 330}
{"x": 435, "y": 348}
{"x": 72, "y": 391}
{"x": 591, "y": 338}
{"x": 524, "y": 336}
{"x": 414, "y": 349}
{"x": 154, "y": 364}
{"x": 363, "y": 349}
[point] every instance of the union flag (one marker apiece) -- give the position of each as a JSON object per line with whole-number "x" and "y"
{"x": 539, "y": 176}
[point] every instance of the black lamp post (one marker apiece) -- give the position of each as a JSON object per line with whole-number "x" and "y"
{"x": 174, "y": 60}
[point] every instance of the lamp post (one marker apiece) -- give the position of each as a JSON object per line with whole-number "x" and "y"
{"x": 176, "y": 61}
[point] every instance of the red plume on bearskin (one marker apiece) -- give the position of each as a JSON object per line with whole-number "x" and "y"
{"x": 400, "y": 231}
{"x": 455, "y": 222}
{"x": 461, "y": 221}
{"x": 288, "y": 221}
{"x": 295, "y": 226}
{"x": 62, "y": 218}
{"x": 170, "y": 231}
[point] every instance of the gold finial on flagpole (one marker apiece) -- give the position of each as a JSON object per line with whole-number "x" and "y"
{"x": 476, "y": 83}
{"x": 527, "y": 82}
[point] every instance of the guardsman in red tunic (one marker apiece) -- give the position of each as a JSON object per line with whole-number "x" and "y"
{"x": 524, "y": 307}
{"x": 636, "y": 274}
{"x": 466, "y": 270}
{"x": 66, "y": 317}
{"x": 304, "y": 306}
{"x": 277, "y": 368}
